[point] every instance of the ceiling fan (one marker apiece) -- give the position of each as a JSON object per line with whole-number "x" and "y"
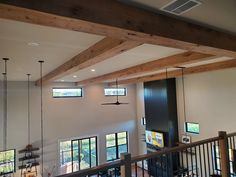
{"x": 117, "y": 97}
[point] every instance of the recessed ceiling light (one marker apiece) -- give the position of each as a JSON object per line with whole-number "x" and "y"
{"x": 74, "y": 76}
{"x": 34, "y": 44}
{"x": 93, "y": 70}
{"x": 62, "y": 80}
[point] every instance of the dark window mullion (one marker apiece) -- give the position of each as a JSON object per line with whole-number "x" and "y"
{"x": 117, "y": 149}
{"x": 96, "y": 151}
{"x": 79, "y": 140}
{"x": 72, "y": 156}
{"x": 90, "y": 158}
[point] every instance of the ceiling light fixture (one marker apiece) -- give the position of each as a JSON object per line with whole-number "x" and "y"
{"x": 93, "y": 70}
{"x": 34, "y": 44}
{"x": 62, "y": 80}
{"x": 74, "y": 76}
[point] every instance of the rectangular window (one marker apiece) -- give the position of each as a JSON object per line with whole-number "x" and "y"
{"x": 78, "y": 154}
{"x": 115, "y": 91}
{"x": 116, "y": 143}
{"x": 66, "y": 92}
{"x": 191, "y": 127}
{"x": 7, "y": 162}
{"x": 217, "y": 159}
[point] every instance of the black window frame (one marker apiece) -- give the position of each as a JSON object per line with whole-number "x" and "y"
{"x": 68, "y": 88}
{"x": 72, "y": 152}
{"x": 187, "y": 131}
{"x": 117, "y": 145}
{"x": 125, "y": 91}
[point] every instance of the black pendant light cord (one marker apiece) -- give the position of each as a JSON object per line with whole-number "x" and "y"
{"x": 28, "y": 75}
{"x": 182, "y": 70}
{"x": 166, "y": 73}
{"x": 5, "y": 105}
{"x": 117, "y": 90}
{"x": 41, "y": 113}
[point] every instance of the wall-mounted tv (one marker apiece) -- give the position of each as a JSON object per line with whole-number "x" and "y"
{"x": 191, "y": 127}
{"x": 7, "y": 162}
{"x": 155, "y": 138}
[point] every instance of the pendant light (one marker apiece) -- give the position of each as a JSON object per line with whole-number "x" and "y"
{"x": 5, "y": 104}
{"x": 41, "y": 113}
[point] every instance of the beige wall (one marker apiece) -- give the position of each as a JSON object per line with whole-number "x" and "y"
{"x": 68, "y": 118}
{"x": 210, "y": 101}
{"x": 140, "y": 113}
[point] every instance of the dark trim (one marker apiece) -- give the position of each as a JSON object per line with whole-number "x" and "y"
{"x": 115, "y": 94}
{"x": 67, "y": 88}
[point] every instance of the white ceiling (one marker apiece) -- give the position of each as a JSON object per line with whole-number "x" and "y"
{"x": 135, "y": 56}
{"x": 56, "y": 46}
{"x": 220, "y": 14}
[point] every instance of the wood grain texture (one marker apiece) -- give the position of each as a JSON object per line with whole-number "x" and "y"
{"x": 171, "y": 61}
{"x": 102, "y": 50}
{"x": 117, "y": 20}
{"x": 172, "y": 74}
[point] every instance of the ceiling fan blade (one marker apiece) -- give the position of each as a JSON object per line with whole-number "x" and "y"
{"x": 108, "y": 103}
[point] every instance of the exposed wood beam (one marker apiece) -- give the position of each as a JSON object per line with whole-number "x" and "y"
{"x": 118, "y": 20}
{"x": 100, "y": 51}
{"x": 176, "y": 73}
{"x": 174, "y": 60}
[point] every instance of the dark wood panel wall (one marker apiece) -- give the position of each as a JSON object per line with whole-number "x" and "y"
{"x": 161, "y": 108}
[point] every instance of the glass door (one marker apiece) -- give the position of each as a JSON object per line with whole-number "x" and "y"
{"x": 84, "y": 153}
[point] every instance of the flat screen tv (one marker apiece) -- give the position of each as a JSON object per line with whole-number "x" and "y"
{"x": 191, "y": 127}
{"x": 155, "y": 138}
{"x": 7, "y": 162}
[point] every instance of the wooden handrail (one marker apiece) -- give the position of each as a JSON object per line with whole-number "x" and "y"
{"x": 119, "y": 163}
{"x": 173, "y": 149}
{"x": 231, "y": 134}
{"x": 95, "y": 170}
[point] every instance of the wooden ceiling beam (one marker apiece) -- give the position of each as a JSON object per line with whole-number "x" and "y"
{"x": 176, "y": 73}
{"x": 102, "y": 50}
{"x": 171, "y": 61}
{"x": 118, "y": 20}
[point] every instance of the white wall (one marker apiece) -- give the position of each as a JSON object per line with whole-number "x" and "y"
{"x": 68, "y": 118}
{"x": 142, "y": 149}
{"x": 210, "y": 101}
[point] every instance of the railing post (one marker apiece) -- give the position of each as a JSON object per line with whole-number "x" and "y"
{"x": 126, "y": 168}
{"x": 224, "y": 153}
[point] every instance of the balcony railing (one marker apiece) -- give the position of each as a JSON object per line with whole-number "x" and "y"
{"x": 213, "y": 157}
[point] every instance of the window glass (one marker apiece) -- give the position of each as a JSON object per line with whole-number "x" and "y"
{"x": 111, "y": 153}
{"x": 66, "y": 92}
{"x": 93, "y": 152}
{"x": 110, "y": 140}
{"x": 7, "y": 162}
{"x": 115, "y": 91}
{"x": 122, "y": 138}
{"x": 85, "y": 154}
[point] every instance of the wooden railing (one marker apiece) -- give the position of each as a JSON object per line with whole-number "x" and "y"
{"x": 209, "y": 157}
